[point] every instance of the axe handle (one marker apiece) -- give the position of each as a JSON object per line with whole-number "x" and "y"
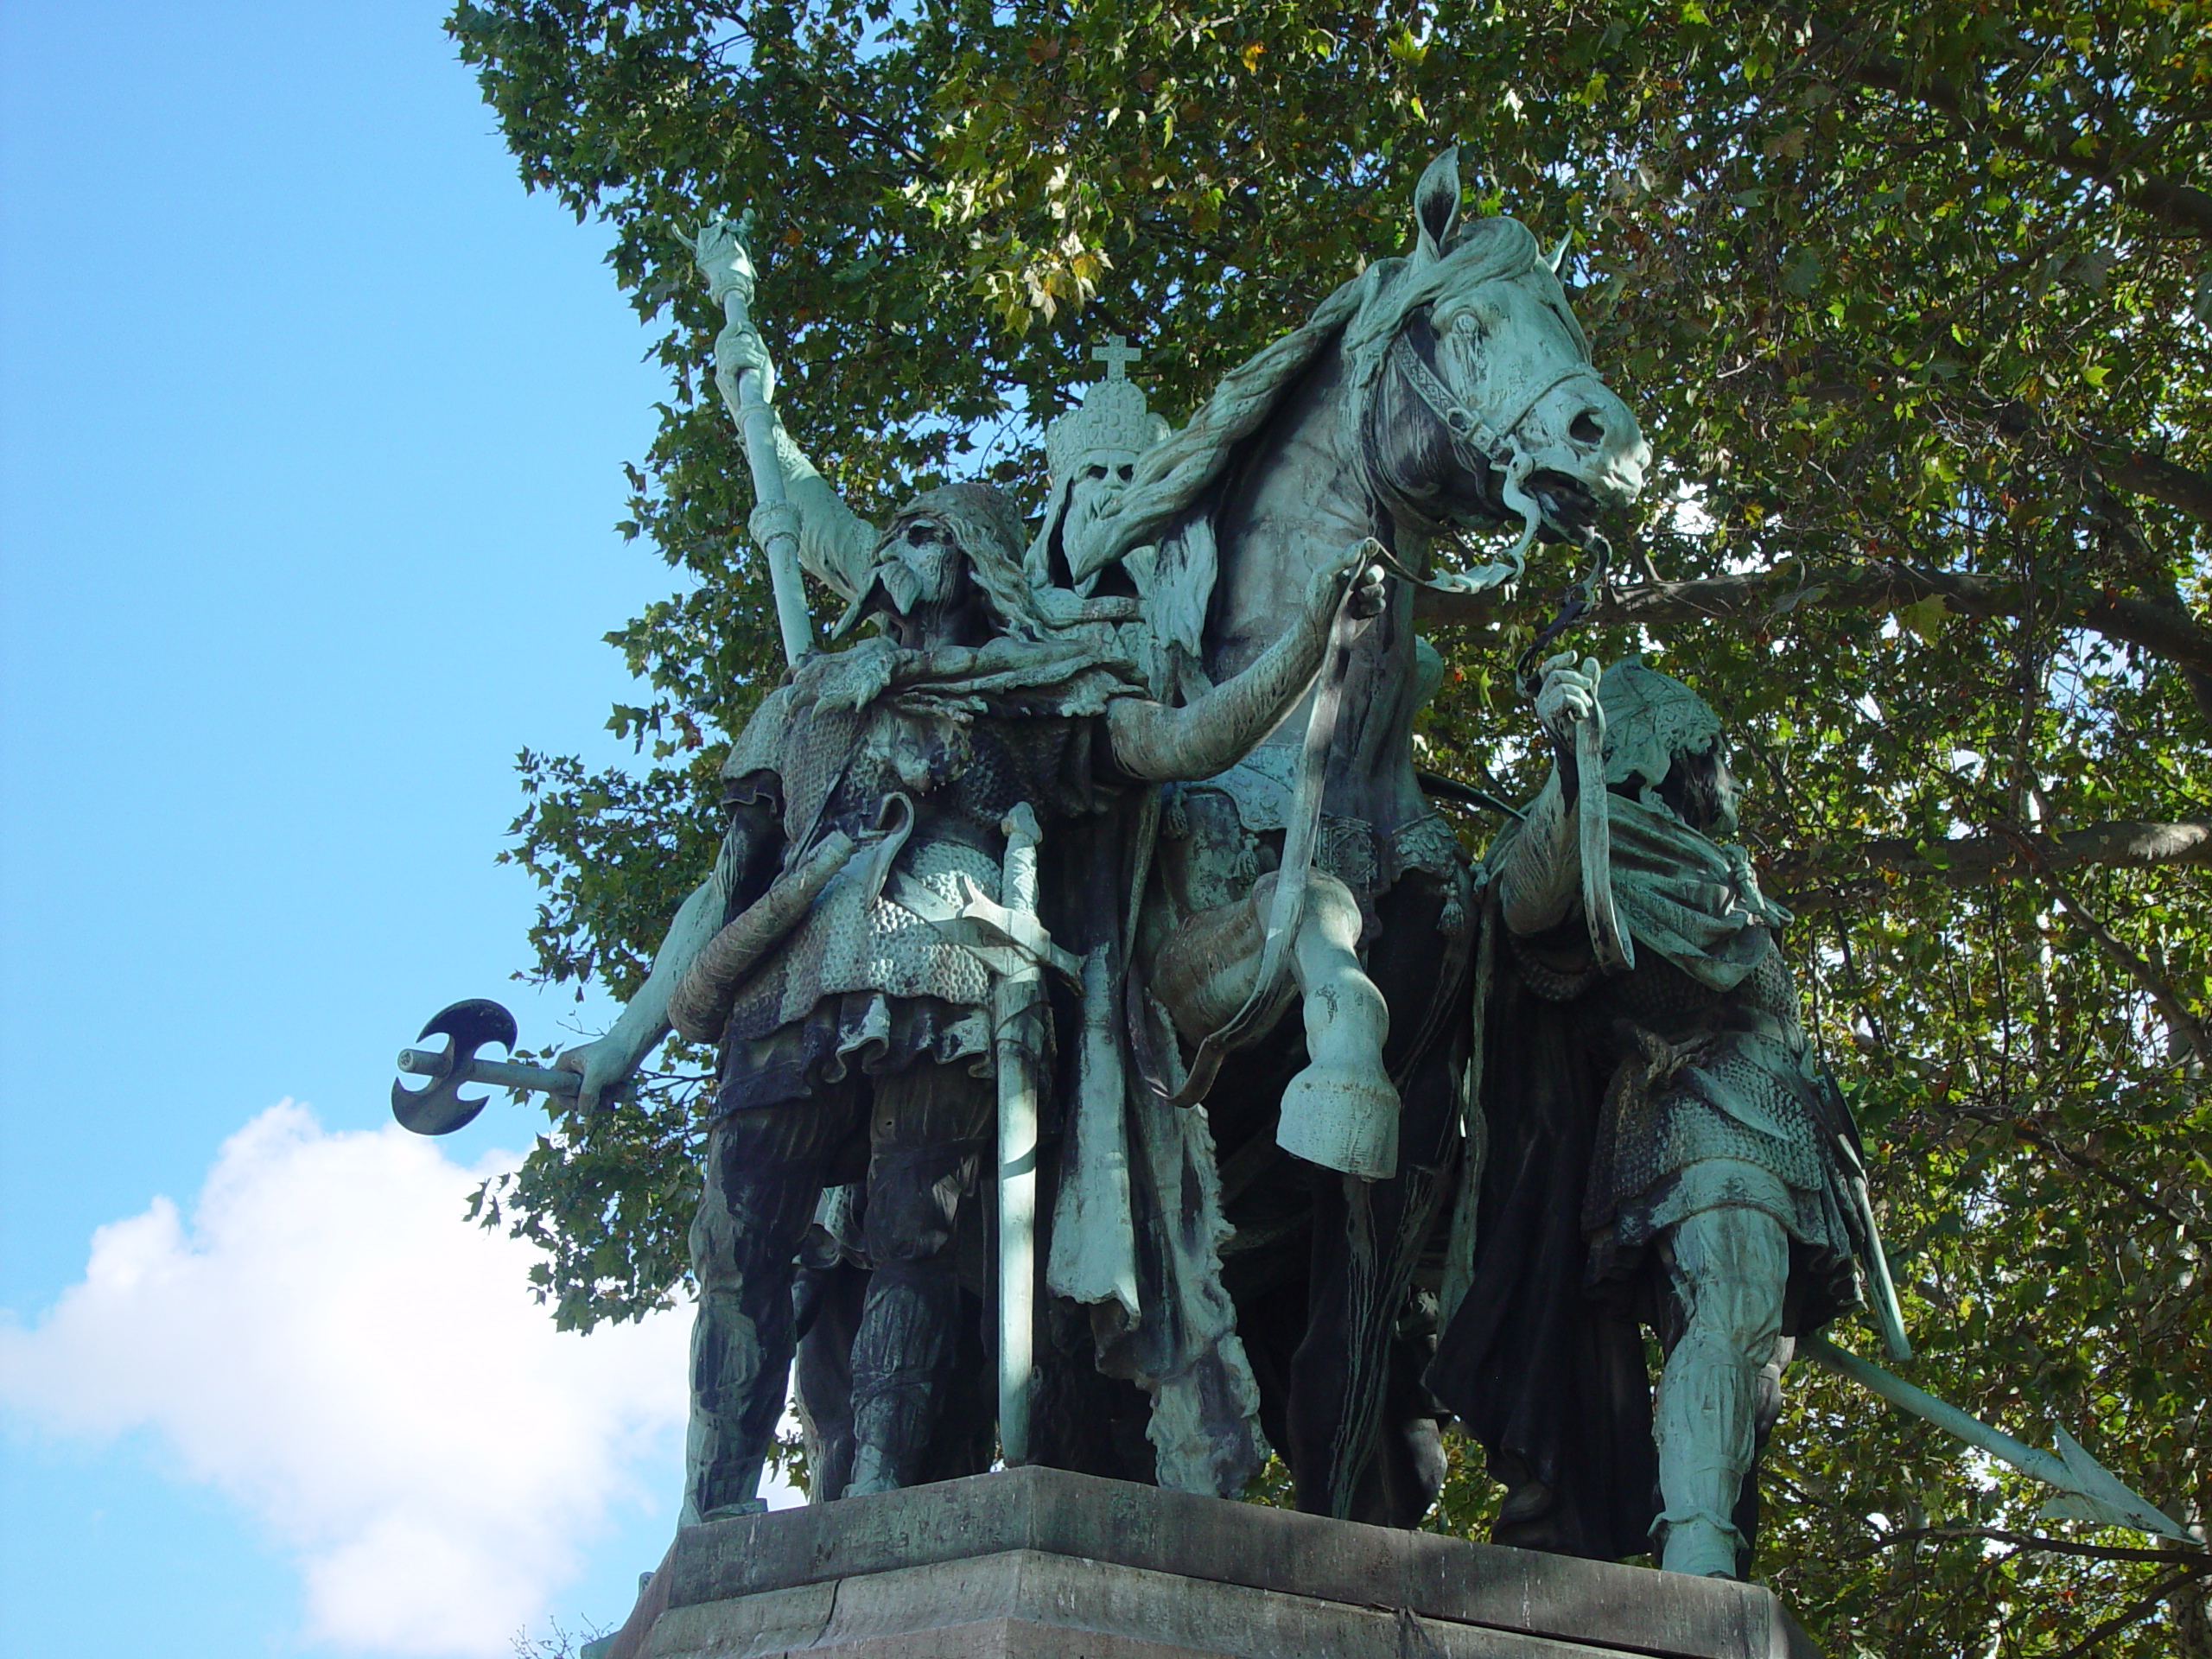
{"x": 500, "y": 1074}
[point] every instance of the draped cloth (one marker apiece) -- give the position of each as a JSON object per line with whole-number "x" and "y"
{"x": 1543, "y": 1358}
{"x": 916, "y": 755}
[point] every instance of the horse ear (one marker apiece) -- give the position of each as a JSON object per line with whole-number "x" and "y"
{"x": 1436, "y": 202}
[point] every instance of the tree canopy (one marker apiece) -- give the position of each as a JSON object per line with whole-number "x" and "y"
{"x": 1912, "y": 300}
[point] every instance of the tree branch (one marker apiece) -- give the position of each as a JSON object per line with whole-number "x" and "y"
{"x": 1981, "y": 861}
{"x": 2162, "y": 629}
{"x": 2180, "y": 1019}
{"x": 2159, "y": 479}
{"x": 2063, "y": 147}
{"x": 2197, "y": 1561}
{"x": 2134, "y": 1613}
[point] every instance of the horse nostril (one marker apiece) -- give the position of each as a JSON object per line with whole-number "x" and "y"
{"x": 1586, "y": 428}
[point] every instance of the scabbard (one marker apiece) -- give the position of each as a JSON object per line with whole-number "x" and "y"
{"x": 1017, "y": 999}
{"x": 1615, "y": 951}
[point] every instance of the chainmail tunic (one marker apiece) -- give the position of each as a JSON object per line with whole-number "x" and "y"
{"x": 1714, "y": 1099}
{"x": 866, "y": 979}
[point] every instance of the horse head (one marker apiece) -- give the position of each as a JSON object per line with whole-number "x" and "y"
{"x": 1482, "y": 403}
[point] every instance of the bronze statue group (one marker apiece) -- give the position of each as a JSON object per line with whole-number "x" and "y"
{"x": 1341, "y": 1135}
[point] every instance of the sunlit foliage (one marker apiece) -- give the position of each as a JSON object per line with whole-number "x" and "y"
{"x": 1912, "y": 300}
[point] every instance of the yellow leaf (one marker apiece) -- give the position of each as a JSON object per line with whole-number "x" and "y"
{"x": 1925, "y": 617}
{"x": 1252, "y": 52}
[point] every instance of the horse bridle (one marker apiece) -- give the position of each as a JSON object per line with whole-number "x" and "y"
{"x": 1475, "y": 443}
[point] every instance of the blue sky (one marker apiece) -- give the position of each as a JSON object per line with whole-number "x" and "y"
{"x": 311, "y": 426}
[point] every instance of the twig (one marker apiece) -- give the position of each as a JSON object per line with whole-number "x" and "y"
{"x": 2134, "y": 1613}
{"x": 2086, "y": 156}
{"x": 2198, "y": 1563}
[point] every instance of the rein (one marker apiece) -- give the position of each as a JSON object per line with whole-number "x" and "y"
{"x": 1576, "y": 601}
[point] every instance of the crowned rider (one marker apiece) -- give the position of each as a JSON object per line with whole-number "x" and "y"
{"x": 1662, "y": 1148}
{"x": 855, "y": 1045}
{"x": 1090, "y": 454}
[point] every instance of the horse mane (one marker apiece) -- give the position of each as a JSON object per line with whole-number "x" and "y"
{"x": 1173, "y": 477}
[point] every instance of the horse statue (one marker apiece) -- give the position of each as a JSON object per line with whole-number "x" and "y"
{"x": 1451, "y": 388}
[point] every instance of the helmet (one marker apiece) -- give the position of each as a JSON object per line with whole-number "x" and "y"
{"x": 1651, "y": 717}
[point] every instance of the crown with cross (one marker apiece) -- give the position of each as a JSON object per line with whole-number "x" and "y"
{"x": 1112, "y": 416}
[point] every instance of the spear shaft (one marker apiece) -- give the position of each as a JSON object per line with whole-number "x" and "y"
{"x": 2091, "y": 1492}
{"x": 731, "y": 277}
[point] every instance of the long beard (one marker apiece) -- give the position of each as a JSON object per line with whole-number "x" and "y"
{"x": 1083, "y": 539}
{"x": 902, "y": 588}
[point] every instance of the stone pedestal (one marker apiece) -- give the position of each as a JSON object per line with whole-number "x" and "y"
{"x": 1033, "y": 1563}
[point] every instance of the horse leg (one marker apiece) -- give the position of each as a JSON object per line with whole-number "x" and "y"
{"x": 1368, "y": 1240}
{"x": 1340, "y": 1111}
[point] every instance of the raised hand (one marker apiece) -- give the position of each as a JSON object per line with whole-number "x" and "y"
{"x": 1567, "y": 698}
{"x": 739, "y": 348}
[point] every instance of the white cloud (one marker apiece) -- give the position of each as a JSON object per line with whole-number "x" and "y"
{"x": 329, "y": 1344}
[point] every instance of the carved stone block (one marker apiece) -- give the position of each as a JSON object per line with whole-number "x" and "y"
{"x": 1035, "y": 1562}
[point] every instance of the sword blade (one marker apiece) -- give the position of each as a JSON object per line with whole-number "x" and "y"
{"x": 1615, "y": 951}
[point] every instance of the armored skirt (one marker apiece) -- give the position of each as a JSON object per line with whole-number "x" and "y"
{"x": 1714, "y": 1099}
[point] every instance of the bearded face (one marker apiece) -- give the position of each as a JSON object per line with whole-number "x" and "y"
{"x": 917, "y": 567}
{"x": 1701, "y": 790}
{"x": 1101, "y": 478}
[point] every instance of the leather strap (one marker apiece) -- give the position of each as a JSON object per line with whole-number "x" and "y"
{"x": 1473, "y": 439}
{"x": 1300, "y": 831}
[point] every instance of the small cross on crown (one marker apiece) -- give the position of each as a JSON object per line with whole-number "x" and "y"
{"x": 1116, "y": 354}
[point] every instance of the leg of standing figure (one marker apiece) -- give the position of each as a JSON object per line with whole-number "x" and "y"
{"x": 822, "y": 1381}
{"x": 927, "y": 1135}
{"x": 1730, "y": 1267}
{"x": 762, "y": 1174}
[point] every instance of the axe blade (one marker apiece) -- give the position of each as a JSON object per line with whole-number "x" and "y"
{"x": 467, "y": 1026}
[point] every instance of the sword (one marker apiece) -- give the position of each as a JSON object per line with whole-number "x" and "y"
{"x": 720, "y": 250}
